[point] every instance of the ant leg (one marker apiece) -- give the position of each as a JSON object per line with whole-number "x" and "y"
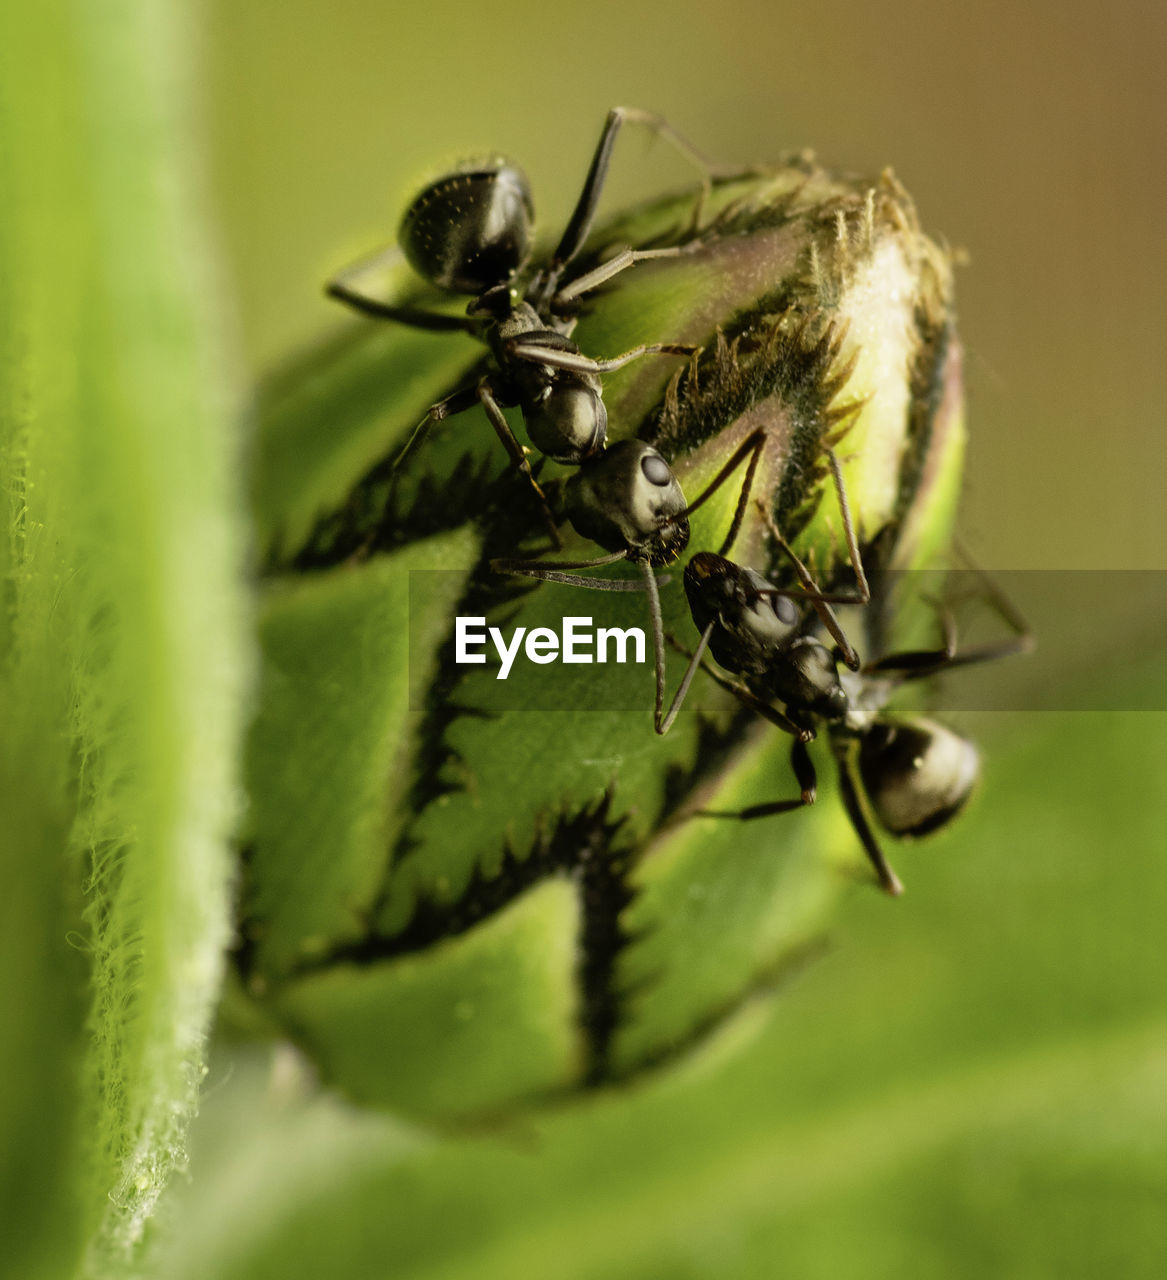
{"x": 821, "y": 601}
{"x": 767, "y": 712}
{"x": 585, "y": 210}
{"x": 576, "y": 363}
{"x": 663, "y": 721}
{"x": 804, "y": 774}
{"x": 569, "y": 579}
{"x": 751, "y": 447}
{"x": 341, "y": 288}
{"x": 539, "y": 569}
{"x": 849, "y": 789}
{"x": 747, "y": 699}
{"x": 918, "y": 664}
{"x": 459, "y": 402}
{"x": 658, "y": 648}
{"x": 518, "y": 457}
{"x": 605, "y": 271}
{"x": 415, "y": 317}
{"x": 549, "y": 571}
{"x": 999, "y": 602}
{"x": 663, "y": 726}
{"x": 849, "y": 528}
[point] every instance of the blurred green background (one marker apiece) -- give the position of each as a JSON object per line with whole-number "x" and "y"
{"x": 1032, "y": 137}
{"x": 972, "y": 1080}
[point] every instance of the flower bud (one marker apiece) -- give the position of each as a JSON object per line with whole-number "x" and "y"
{"x": 466, "y": 895}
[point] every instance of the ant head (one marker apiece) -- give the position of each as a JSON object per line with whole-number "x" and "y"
{"x": 753, "y": 621}
{"x": 743, "y": 600}
{"x": 472, "y": 229}
{"x": 627, "y": 499}
{"x": 917, "y": 774}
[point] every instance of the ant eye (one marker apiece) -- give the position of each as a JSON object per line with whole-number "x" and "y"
{"x": 656, "y": 470}
{"x": 784, "y": 609}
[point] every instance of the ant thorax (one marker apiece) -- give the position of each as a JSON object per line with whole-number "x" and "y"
{"x": 514, "y": 318}
{"x": 804, "y": 677}
{"x": 563, "y": 409}
{"x": 505, "y": 319}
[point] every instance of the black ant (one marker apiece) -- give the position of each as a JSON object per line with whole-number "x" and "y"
{"x": 916, "y": 774}
{"x": 471, "y": 233}
{"x": 629, "y": 501}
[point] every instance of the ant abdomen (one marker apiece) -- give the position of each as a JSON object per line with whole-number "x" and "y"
{"x": 470, "y": 229}
{"x": 918, "y": 774}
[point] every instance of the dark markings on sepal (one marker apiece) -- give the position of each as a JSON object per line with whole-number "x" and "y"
{"x": 496, "y": 596}
{"x": 758, "y": 355}
{"x": 583, "y": 847}
{"x": 245, "y": 943}
{"x": 764, "y": 985}
{"x": 793, "y": 358}
{"x": 372, "y": 519}
{"x": 715, "y": 747}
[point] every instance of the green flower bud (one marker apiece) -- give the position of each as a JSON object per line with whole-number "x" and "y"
{"x": 456, "y": 904}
